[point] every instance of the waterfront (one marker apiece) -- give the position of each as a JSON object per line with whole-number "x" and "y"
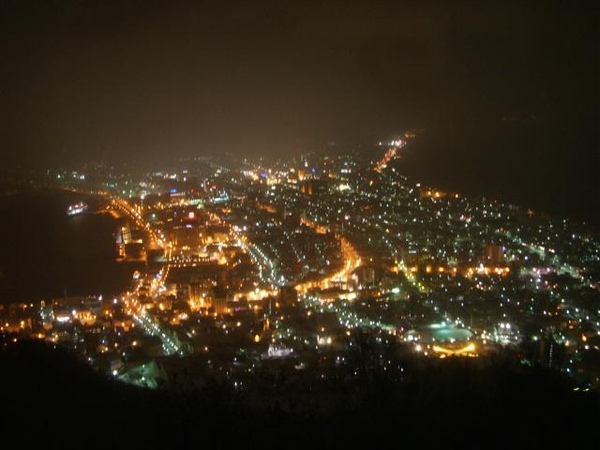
{"x": 47, "y": 254}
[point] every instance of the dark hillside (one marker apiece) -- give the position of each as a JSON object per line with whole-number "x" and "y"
{"x": 50, "y": 397}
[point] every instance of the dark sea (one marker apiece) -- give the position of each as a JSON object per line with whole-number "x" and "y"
{"x": 46, "y": 254}
{"x": 549, "y": 166}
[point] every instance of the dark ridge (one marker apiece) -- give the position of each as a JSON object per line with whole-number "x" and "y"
{"x": 51, "y": 396}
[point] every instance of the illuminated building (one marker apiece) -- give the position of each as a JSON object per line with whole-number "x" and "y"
{"x": 495, "y": 253}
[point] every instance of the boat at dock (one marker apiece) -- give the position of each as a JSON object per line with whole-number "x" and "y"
{"x": 77, "y": 208}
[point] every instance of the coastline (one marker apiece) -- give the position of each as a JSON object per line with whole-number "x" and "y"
{"x": 78, "y": 257}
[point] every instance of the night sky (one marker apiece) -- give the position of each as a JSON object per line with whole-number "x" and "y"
{"x": 506, "y": 92}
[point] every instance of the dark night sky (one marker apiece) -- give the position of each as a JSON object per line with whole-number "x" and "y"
{"x": 267, "y": 77}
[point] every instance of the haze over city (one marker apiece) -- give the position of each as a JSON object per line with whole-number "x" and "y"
{"x": 506, "y": 92}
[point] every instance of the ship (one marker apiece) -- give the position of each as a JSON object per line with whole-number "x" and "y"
{"x": 77, "y": 208}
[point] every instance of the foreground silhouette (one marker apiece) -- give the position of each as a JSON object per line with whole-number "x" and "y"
{"x": 51, "y": 397}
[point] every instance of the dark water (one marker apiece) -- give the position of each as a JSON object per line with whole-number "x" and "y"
{"x": 46, "y": 254}
{"x": 548, "y": 166}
